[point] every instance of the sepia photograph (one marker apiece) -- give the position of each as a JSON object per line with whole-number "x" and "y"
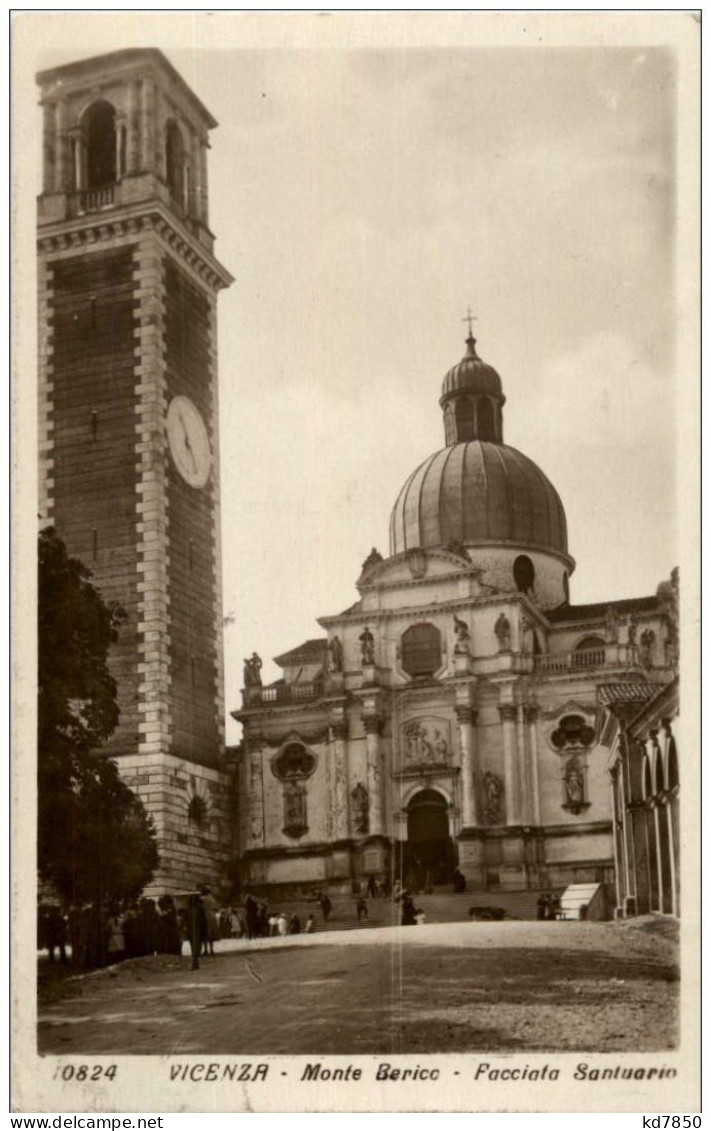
{"x": 356, "y": 447}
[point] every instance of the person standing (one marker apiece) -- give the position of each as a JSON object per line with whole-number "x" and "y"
{"x": 282, "y": 924}
{"x": 210, "y": 906}
{"x": 362, "y": 908}
{"x": 195, "y": 926}
{"x": 116, "y": 943}
{"x": 325, "y": 905}
{"x": 251, "y": 911}
{"x": 372, "y": 887}
{"x": 408, "y": 910}
{"x": 310, "y": 925}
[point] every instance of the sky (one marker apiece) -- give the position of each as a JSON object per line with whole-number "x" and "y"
{"x": 363, "y": 198}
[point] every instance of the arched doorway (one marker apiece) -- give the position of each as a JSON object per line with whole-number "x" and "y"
{"x": 428, "y": 850}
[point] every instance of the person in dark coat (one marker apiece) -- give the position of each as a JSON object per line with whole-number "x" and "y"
{"x": 251, "y": 910}
{"x": 460, "y": 883}
{"x": 542, "y": 906}
{"x": 408, "y": 910}
{"x": 263, "y": 921}
{"x": 325, "y": 905}
{"x": 54, "y": 932}
{"x": 146, "y": 927}
{"x": 195, "y": 927}
{"x": 372, "y": 888}
{"x": 168, "y": 939}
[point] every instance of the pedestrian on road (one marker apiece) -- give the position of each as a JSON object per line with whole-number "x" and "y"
{"x": 251, "y": 910}
{"x": 542, "y": 906}
{"x": 195, "y": 927}
{"x": 116, "y": 945}
{"x": 408, "y": 910}
{"x": 282, "y": 924}
{"x": 310, "y": 925}
{"x": 326, "y": 906}
{"x": 372, "y": 887}
{"x": 210, "y": 906}
{"x": 362, "y": 908}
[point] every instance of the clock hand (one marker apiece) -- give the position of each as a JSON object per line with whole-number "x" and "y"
{"x": 188, "y": 445}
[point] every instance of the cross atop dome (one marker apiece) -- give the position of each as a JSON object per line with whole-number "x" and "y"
{"x": 469, "y": 317}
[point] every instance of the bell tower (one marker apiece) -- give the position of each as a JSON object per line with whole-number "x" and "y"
{"x": 128, "y": 401}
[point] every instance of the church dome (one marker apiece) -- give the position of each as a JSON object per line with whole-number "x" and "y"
{"x": 471, "y": 375}
{"x": 478, "y": 492}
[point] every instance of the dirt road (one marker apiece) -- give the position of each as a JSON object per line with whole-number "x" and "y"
{"x": 439, "y": 988}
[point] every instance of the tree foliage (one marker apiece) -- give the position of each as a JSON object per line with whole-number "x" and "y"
{"x": 95, "y": 840}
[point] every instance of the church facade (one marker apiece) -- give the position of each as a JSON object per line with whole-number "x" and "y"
{"x": 448, "y": 718}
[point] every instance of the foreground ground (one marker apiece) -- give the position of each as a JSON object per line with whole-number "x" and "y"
{"x": 435, "y": 988}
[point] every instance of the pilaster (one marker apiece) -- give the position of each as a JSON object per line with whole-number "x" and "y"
{"x": 507, "y": 714}
{"x": 339, "y": 796}
{"x": 151, "y": 506}
{"x": 373, "y": 725}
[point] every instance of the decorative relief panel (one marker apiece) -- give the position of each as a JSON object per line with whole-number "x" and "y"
{"x": 425, "y": 743}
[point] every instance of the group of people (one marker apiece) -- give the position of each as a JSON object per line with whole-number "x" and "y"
{"x": 99, "y": 934}
{"x": 260, "y": 922}
{"x": 547, "y": 906}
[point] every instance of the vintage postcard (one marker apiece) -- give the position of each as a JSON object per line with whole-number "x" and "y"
{"x": 356, "y": 450}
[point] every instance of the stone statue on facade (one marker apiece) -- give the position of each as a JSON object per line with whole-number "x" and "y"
{"x": 359, "y": 797}
{"x": 646, "y": 647}
{"x": 612, "y": 625}
{"x": 574, "y": 785}
{"x": 502, "y": 628}
{"x": 526, "y": 635}
{"x": 334, "y": 658}
{"x": 461, "y": 631}
{"x": 373, "y": 558}
{"x": 668, "y": 594}
{"x": 252, "y": 671}
{"x": 493, "y": 789}
{"x": 295, "y": 821}
{"x": 367, "y": 647}
{"x": 440, "y": 746}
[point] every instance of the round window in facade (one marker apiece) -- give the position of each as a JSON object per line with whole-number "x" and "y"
{"x": 524, "y": 573}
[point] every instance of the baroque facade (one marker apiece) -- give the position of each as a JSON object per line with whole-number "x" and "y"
{"x": 129, "y": 427}
{"x": 448, "y": 717}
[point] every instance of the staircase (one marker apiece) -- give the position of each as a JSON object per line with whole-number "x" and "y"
{"x": 442, "y": 906}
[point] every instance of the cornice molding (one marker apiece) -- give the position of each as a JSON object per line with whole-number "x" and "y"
{"x": 97, "y": 228}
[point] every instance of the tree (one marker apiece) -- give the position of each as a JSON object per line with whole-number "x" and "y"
{"x": 95, "y": 839}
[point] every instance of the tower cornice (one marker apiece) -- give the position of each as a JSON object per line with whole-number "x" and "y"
{"x": 68, "y": 236}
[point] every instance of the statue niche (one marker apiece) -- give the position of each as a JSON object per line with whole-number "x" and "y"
{"x": 493, "y": 794}
{"x": 292, "y": 767}
{"x": 572, "y": 738}
{"x": 361, "y": 818}
{"x": 295, "y": 815}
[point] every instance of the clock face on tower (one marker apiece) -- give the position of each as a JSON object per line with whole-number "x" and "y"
{"x": 189, "y": 441}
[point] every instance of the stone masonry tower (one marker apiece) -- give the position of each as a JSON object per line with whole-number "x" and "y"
{"x": 129, "y": 477}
